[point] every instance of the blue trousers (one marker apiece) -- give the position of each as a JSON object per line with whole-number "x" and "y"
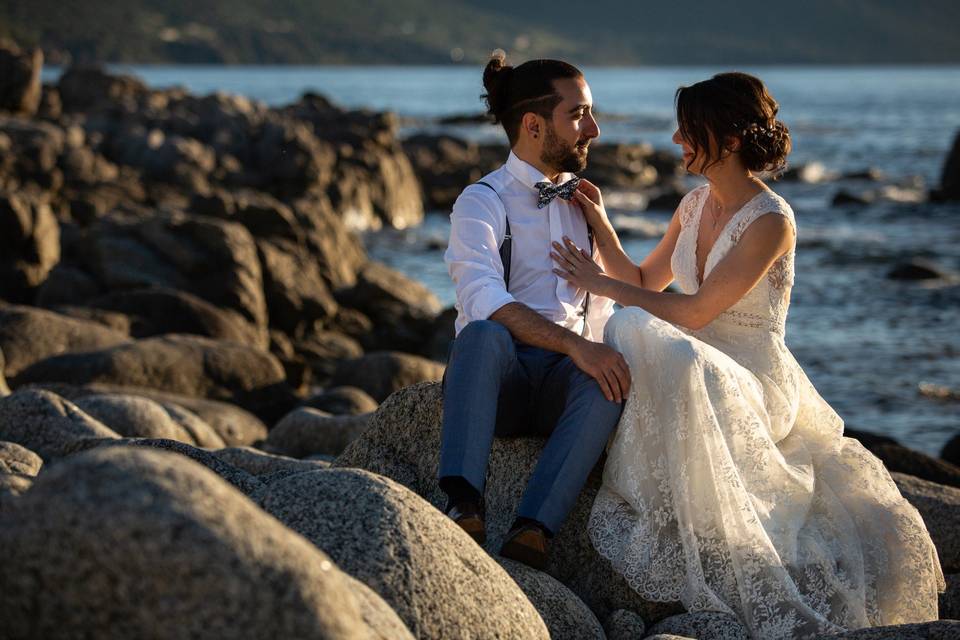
{"x": 497, "y": 386}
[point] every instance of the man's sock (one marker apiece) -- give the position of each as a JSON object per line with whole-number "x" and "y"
{"x": 459, "y": 490}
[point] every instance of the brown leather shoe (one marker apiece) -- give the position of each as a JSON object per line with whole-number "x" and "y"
{"x": 527, "y": 544}
{"x": 469, "y": 517}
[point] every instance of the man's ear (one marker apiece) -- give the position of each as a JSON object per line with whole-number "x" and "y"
{"x": 531, "y": 124}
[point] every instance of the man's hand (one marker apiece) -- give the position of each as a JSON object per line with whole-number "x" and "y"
{"x": 605, "y": 365}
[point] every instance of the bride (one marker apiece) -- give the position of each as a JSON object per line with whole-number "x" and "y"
{"x": 729, "y": 485}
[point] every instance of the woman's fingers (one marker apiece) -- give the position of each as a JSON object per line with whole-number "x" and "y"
{"x": 564, "y": 264}
{"x": 571, "y": 256}
{"x": 583, "y": 198}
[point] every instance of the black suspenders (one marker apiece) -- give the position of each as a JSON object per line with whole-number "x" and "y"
{"x": 506, "y": 253}
{"x": 507, "y": 245}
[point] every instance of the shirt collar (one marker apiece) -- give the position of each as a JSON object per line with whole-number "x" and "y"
{"x": 529, "y": 175}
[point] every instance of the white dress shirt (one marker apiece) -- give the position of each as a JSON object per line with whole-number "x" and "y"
{"x": 477, "y": 229}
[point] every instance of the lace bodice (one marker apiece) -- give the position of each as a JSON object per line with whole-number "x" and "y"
{"x": 763, "y": 307}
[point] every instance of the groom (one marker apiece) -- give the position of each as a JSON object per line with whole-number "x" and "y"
{"x": 528, "y": 359}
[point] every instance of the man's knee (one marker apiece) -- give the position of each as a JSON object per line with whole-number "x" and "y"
{"x": 604, "y": 413}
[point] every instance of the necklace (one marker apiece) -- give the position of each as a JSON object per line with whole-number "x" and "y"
{"x": 716, "y": 207}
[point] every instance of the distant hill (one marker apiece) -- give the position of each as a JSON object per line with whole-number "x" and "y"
{"x": 445, "y": 31}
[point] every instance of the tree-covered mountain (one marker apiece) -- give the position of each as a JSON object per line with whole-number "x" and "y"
{"x": 425, "y": 32}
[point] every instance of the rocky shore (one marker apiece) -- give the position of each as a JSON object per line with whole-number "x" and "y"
{"x": 219, "y": 418}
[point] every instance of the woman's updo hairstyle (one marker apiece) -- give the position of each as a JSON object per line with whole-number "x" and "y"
{"x": 514, "y": 91}
{"x": 734, "y": 105}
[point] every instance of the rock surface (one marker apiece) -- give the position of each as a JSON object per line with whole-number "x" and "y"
{"x": 159, "y": 310}
{"x": 29, "y": 244}
{"x": 951, "y": 451}
{"x": 306, "y": 431}
{"x": 438, "y": 581}
{"x": 47, "y": 424}
{"x": 260, "y": 463}
{"x": 150, "y": 545}
{"x": 383, "y": 373}
{"x": 566, "y": 616}
{"x": 624, "y": 625}
{"x": 950, "y": 599}
{"x": 235, "y": 426}
{"x": 15, "y": 458}
{"x": 900, "y": 459}
{"x": 19, "y": 78}
{"x": 136, "y": 417}
{"x": 29, "y": 334}
{"x": 236, "y": 476}
{"x": 402, "y": 443}
{"x": 343, "y": 400}
{"x": 178, "y": 363}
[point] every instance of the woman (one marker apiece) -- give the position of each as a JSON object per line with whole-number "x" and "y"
{"x": 729, "y": 485}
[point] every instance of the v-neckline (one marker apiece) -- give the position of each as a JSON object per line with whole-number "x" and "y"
{"x": 700, "y": 277}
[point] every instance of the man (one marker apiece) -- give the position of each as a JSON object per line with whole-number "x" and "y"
{"x": 528, "y": 358}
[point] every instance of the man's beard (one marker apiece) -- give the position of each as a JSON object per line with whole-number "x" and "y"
{"x": 560, "y": 155}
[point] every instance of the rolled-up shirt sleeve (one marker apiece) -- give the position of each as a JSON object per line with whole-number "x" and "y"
{"x": 477, "y": 226}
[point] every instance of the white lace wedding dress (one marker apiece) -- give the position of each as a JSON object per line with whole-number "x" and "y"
{"x": 729, "y": 485}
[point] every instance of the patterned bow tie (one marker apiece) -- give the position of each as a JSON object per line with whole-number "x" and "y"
{"x": 549, "y": 191}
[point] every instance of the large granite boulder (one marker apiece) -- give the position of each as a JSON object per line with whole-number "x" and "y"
{"x": 47, "y": 424}
{"x": 15, "y": 458}
{"x": 373, "y": 181}
{"x": 445, "y": 165}
{"x": 158, "y": 310}
{"x": 19, "y": 78}
{"x": 179, "y": 363}
{"x": 29, "y": 244}
{"x": 32, "y": 152}
{"x": 626, "y": 625}
{"x": 900, "y": 459}
{"x": 566, "y": 616}
{"x": 134, "y": 543}
{"x": 951, "y": 450}
{"x": 939, "y": 505}
{"x": 337, "y": 251}
{"x": 403, "y": 443}
{"x": 235, "y": 426}
{"x": 950, "y": 599}
{"x": 382, "y": 373}
{"x": 136, "y": 417}
{"x": 213, "y": 259}
{"x": 297, "y": 295}
{"x": 28, "y": 335}
{"x": 438, "y": 581}
{"x": 13, "y": 485}
{"x": 239, "y": 478}
{"x": 306, "y": 431}
{"x": 402, "y": 310}
{"x": 83, "y": 88}
{"x": 262, "y": 464}
{"x": 343, "y": 400}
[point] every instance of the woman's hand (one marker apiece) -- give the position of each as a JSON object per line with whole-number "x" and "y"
{"x": 588, "y": 198}
{"x": 577, "y": 268}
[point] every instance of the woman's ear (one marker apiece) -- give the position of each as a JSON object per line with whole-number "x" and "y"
{"x": 733, "y": 144}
